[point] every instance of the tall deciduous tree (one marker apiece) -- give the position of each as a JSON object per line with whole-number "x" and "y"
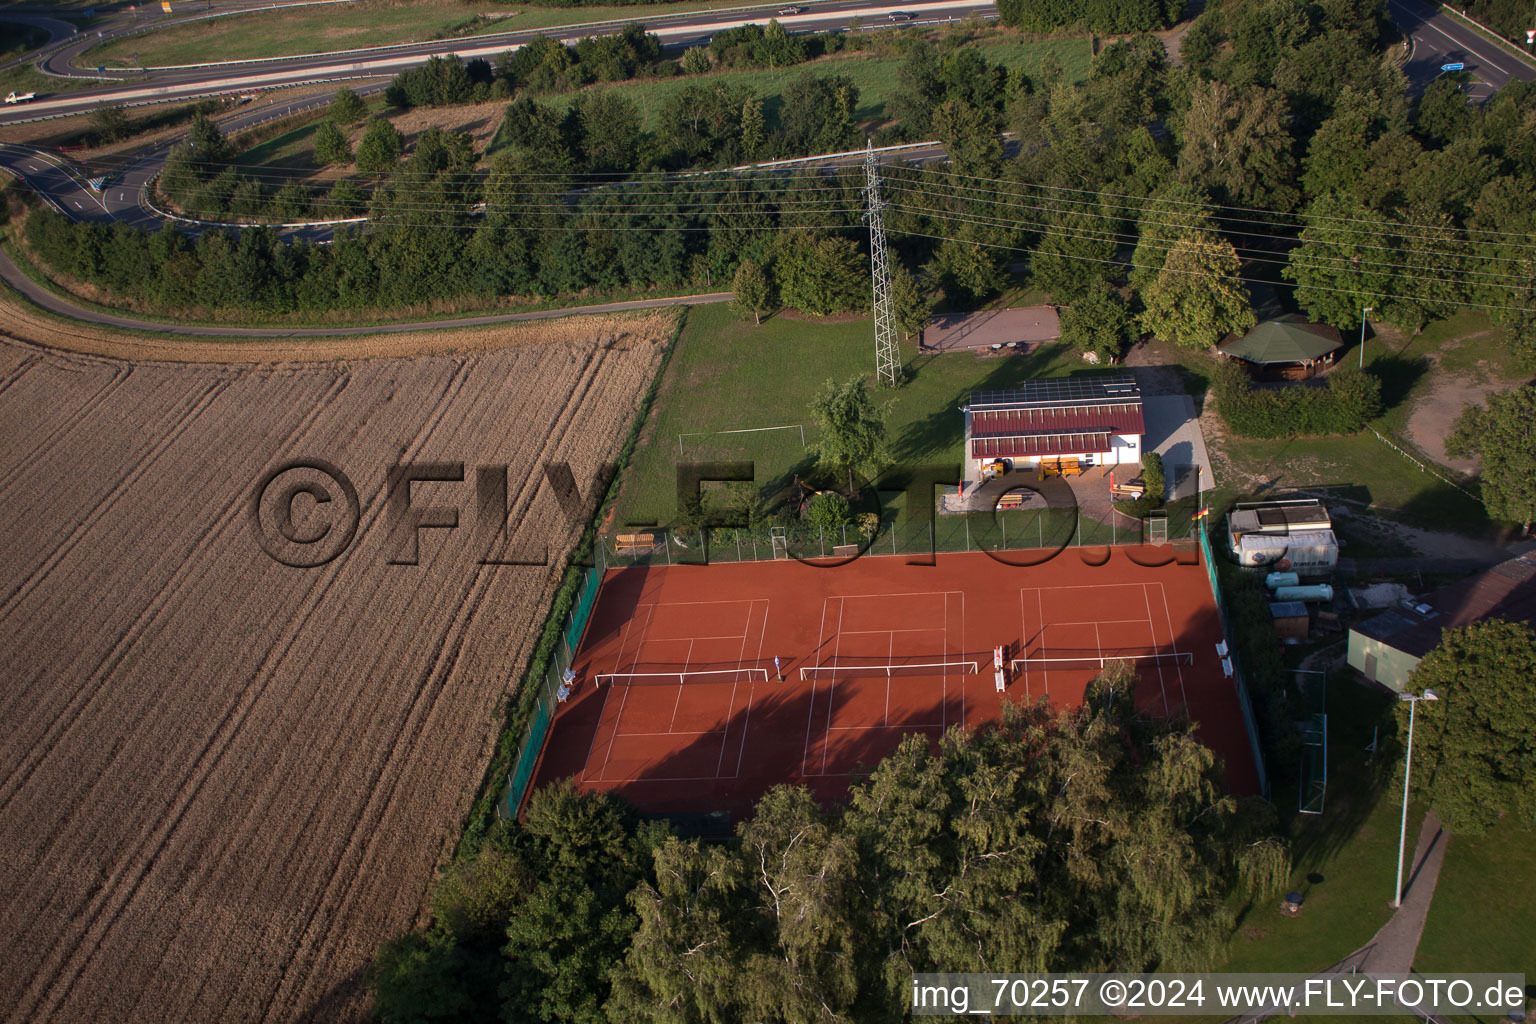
{"x": 1502, "y": 435}
{"x": 1098, "y": 322}
{"x": 820, "y": 274}
{"x": 751, "y": 291}
{"x": 1239, "y": 144}
{"x": 1198, "y": 297}
{"x": 1475, "y": 747}
{"x": 1174, "y": 211}
{"x": 1343, "y": 262}
{"x": 852, "y": 429}
{"x": 913, "y": 309}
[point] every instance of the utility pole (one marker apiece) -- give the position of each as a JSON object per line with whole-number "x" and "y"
{"x": 880, "y": 273}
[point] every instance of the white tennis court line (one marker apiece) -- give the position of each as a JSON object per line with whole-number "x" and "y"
{"x": 618, "y": 719}
{"x": 1095, "y": 623}
{"x": 677, "y": 701}
{"x": 746, "y": 719}
{"x": 672, "y": 731}
{"x": 1173, "y": 641}
{"x": 1162, "y": 684}
{"x": 842, "y": 605}
{"x": 821, "y": 638}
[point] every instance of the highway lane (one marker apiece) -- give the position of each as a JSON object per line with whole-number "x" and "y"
{"x": 1440, "y": 38}
{"x": 187, "y": 83}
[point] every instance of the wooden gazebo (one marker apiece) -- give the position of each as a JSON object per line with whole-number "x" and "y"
{"x": 1285, "y": 348}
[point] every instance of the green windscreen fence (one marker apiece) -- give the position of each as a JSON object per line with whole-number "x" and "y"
{"x": 1249, "y": 722}
{"x": 549, "y": 684}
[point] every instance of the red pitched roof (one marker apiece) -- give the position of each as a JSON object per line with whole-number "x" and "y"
{"x": 1028, "y": 445}
{"x": 1119, "y": 418}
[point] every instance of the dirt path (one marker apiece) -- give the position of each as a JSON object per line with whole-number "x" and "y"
{"x": 1434, "y": 414}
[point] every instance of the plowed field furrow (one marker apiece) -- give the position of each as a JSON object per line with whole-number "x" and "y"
{"x": 67, "y": 406}
{"x": 54, "y": 719}
{"x": 365, "y": 832}
{"x": 102, "y": 916}
{"x": 14, "y": 363}
{"x": 258, "y": 768}
{"x": 462, "y": 565}
{"x": 114, "y": 493}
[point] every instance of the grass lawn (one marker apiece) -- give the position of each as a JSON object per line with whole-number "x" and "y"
{"x": 331, "y": 28}
{"x": 1360, "y": 468}
{"x": 1345, "y": 859}
{"x": 874, "y": 76}
{"x": 727, "y": 374}
{"x": 1484, "y": 914}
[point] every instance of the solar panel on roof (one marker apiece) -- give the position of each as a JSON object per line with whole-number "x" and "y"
{"x": 1056, "y": 391}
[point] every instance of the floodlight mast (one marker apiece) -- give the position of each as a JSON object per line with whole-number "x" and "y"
{"x": 880, "y": 273}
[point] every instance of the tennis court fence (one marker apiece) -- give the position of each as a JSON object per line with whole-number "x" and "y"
{"x": 549, "y": 684}
{"x": 1049, "y": 529}
{"x": 1250, "y": 723}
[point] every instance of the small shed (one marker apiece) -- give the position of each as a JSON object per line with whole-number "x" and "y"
{"x": 1285, "y": 348}
{"x": 1291, "y": 618}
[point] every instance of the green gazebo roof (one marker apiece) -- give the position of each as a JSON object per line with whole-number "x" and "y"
{"x": 1287, "y": 339}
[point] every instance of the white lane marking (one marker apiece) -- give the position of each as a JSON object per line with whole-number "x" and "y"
{"x": 76, "y": 202}
{"x": 1424, "y": 20}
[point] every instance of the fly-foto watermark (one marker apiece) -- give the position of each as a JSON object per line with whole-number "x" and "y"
{"x": 305, "y": 512}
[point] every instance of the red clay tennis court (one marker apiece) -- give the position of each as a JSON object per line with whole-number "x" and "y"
{"x": 679, "y": 705}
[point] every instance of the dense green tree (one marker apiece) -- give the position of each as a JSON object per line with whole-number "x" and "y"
{"x": 695, "y": 60}
{"x": 852, "y": 430}
{"x": 1337, "y": 156}
{"x": 331, "y": 146}
{"x": 817, "y": 115}
{"x": 1442, "y": 115}
{"x": 206, "y": 142}
{"x": 1343, "y": 262}
{"x": 1174, "y": 211}
{"x": 1198, "y": 297}
{"x": 913, "y": 309}
{"x": 1474, "y": 754}
{"x": 610, "y": 130}
{"x": 1097, "y": 322}
{"x": 1502, "y": 263}
{"x": 110, "y": 123}
{"x": 378, "y": 152}
{"x": 752, "y": 126}
{"x": 1238, "y": 144}
{"x": 347, "y": 107}
{"x": 970, "y": 138}
{"x": 820, "y": 274}
{"x": 753, "y": 296}
{"x": 1502, "y": 436}
{"x": 828, "y": 512}
{"x": 1076, "y": 251}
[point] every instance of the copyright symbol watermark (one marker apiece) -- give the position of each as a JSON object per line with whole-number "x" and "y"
{"x": 304, "y": 513}
{"x": 1112, "y": 992}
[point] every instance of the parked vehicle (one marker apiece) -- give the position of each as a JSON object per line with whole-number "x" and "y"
{"x": 19, "y": 97}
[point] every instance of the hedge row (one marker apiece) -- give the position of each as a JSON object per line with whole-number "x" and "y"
{"x": 1351, "y": 399}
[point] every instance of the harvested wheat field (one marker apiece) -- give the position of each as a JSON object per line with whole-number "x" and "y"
{"x": 223, "y": 780}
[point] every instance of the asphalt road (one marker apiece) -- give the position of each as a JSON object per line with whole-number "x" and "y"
{"x": 1437, "y": 39}
{"x": 163, "y": 85}
{"x": 1440, "y": 38}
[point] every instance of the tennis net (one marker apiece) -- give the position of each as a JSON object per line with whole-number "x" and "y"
{"x": 1098, "y": 662}
{"x": 925, "y": 668}
{"x": 683, "y": 677}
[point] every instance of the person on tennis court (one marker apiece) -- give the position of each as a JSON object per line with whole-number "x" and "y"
{"x": 778, "y": 669}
